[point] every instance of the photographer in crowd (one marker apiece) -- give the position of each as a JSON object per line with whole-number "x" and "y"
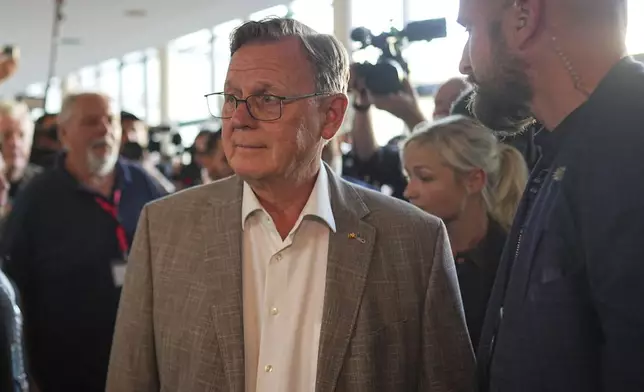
{"x": 381, "y": 165}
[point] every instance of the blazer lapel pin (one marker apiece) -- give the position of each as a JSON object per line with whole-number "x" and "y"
{"x": 354, "y": 236}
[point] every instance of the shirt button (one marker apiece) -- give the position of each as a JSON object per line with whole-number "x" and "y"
{"x": 278, "y": 257}
{"x": 268, "y": 368}
{"x": 274, "y": 311}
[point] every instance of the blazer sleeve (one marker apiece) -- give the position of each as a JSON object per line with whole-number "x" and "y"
{"x": 133, "y": 365}
{"x": 448, "y": 357}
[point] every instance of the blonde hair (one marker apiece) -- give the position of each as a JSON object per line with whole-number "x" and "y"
{"x": 465, "y": 145}
{"x": 18, "y": 111}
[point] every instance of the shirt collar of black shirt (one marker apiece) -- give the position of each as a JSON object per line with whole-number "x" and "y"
{"x": 608, "y": 88}
{"x": 486, "y": 253}
{"x": 122, "y": 175}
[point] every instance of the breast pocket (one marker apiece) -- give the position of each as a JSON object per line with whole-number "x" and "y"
{"x": 557, "y": 271}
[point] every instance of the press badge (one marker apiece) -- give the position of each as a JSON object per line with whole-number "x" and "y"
{"x": 118, "y": 272}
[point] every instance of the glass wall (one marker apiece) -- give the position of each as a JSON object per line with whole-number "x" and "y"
{"x": 316, "y": 14}
{"x": 54, "y": 96}
{"x": 635, "y": 37}
{"x": 279, "y": 11}
{"x": 109, "y": 80}
{"x": 133, "y": 84}
{"x": 190, "y": 76}
{"x": 153, "y": 87}
{"x": 88, "y": 78}
{"x": 221, "y": 52}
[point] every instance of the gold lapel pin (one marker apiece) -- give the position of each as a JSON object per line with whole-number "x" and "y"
{"x": 354, "y": 236}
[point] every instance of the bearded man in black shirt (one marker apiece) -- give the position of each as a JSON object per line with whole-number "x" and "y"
{"x": 566, "y": 312}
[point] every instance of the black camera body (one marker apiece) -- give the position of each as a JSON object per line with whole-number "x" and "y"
{"x": 387, "y": 75}
{"x": 165, "y": 140}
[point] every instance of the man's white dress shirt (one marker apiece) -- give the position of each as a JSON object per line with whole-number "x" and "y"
{"x": 283, "y": 292}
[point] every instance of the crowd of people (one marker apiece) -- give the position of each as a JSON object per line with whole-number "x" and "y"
{"x": 494, "y": 246}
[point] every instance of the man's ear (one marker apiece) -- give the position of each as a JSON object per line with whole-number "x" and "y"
{"x": 524, "y": 21}
{"x": 62, "y": 135}
{"x": 335, "y": 109}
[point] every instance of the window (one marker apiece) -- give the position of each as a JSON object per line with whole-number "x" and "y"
{"x": 378, "y": 18}
{"x": 35, "y": 90}
{"x": 54, "y": 97}
{"x": 436, "y": 61}
{"x": 317, "y": 14}
{"x": 221, "y": 54}
{"x": 88, "y": 78}
{"x": 73, "y": 83}
{"x": 190, "y": 71}
{"x": 635, "y": 35}
{"x": 109, "y": 80}
{"x": 153, "y": 87}
{"x": 133, "y": 84}
{"x": 278, "y": 10}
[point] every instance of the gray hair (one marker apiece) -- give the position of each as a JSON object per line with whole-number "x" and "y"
{"x": 328, "y": 57}
{"x": 69, "y": 103}
{"x": 18, "y": 111}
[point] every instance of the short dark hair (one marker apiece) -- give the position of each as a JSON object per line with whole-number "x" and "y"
{"x": 211, "y": 143}
{"x": 127, "y": 116}
{"x": 328, "y": 57}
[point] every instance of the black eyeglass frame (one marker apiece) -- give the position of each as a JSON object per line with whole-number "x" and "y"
{"x": 282, "y": 100}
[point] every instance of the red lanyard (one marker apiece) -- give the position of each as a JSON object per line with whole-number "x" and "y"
{"x": 112, "y": 209}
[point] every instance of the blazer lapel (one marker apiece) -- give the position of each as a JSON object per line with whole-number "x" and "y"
{"x": 350, "y": 251}
{"x": 223, "y": 255}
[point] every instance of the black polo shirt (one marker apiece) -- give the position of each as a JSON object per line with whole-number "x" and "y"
{"x": 59, "y": 248}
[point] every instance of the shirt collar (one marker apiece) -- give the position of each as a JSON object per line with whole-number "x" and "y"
{"x": 318, "y": 205}
{"x": 122, "y": 173}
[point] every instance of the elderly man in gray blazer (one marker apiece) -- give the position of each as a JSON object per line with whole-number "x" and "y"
{"x": 285, "y": 277}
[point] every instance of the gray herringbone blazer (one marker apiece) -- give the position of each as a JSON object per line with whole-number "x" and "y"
{"x": 392, "y": 317}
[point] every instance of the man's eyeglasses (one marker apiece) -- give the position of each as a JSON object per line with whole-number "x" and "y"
{"x": 262, "y": 107}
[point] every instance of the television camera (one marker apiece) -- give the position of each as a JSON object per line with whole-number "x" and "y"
{"x": 387, "y": 74}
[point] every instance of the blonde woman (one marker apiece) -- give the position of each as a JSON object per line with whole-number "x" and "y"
{"x": 458, "y": 171}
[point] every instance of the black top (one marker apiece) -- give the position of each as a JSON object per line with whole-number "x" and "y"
{"x": 383, "y": 168}
{"x": 566, "y": 310}
{"x": 476, "y": 271}
{"x": 60, "y": 247}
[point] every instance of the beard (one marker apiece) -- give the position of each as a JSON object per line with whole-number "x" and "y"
{"x": 501, "y": 99}
{"x": 101, "y": 166}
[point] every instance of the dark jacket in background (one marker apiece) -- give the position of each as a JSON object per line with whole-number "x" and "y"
{"x": 566, "y": 313}
{"x": 60, "y": 248}
{"x": 13, "y": 377}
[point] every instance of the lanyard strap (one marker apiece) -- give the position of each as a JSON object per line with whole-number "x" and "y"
{"x": 112, "y": 209}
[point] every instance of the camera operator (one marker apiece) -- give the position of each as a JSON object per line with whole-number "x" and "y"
{"x": 367, "y": 161}
{"x": 378, "y": 165}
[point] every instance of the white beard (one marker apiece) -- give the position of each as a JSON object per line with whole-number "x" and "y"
{"x": 102, "y": 166}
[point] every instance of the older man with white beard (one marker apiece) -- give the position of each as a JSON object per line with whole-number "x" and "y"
{"x": 65, "y": 246}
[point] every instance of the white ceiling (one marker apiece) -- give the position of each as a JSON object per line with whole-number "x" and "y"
{"x": 104, "y": 30}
